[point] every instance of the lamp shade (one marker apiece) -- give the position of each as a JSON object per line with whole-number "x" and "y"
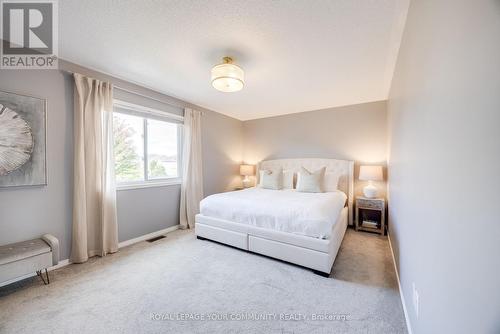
{"x": 227, "y": 77}
{"x": 247, "y": 170}
{"x": 370, "y": 173}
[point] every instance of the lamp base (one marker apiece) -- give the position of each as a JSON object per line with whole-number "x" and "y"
{"x": 370, "y": 191}
{"x": 246, "y": 182}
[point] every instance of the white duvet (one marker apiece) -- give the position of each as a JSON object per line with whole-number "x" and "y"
{"x": 309, "y": 214}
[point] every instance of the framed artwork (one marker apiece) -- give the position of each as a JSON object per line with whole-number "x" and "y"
{"x": 23, "y": 140}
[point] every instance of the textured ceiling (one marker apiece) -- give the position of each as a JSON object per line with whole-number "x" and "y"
{"x": 297, "y": 55}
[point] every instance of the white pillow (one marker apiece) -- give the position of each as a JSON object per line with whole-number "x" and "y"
{"x": 311, "y": 182}
{"x": 261, "y": 173}
{"x": 331, "y": 182}
{"x": 272, "y": 180}
{"x": 287, "y": 178}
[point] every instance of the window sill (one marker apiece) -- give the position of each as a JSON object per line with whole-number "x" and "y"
{"x": 144, "y": 185}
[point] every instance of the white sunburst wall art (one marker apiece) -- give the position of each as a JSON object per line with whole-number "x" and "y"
{"x": 23, "y": 122}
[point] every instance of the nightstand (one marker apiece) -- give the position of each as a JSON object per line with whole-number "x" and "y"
{"x": 370, "y": 215}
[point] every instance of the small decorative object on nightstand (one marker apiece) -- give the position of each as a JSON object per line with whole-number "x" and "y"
{"x": 370, "y": 214}
{"x": 246, "y": 171}
{"x": 370, "y": 174}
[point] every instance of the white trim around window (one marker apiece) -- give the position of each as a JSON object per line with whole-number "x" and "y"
{"x": 144, "y": 112}
{"x": 148, "y": 184}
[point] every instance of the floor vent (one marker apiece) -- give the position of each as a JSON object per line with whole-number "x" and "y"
{"x": 156, "y": 238}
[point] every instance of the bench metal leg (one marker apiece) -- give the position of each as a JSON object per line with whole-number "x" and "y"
{"x": 40, "y": 274}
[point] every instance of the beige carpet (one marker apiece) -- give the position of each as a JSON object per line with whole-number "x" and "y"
{"x": 183, "y": 285}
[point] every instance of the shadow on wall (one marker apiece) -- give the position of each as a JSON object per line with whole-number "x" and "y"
{"x": 235, "y": 181}
{"x": 219, "y": 182}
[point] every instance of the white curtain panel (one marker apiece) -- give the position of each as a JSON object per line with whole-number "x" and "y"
{"x": 95, "y": 229}
{"x": 192, "y": 176}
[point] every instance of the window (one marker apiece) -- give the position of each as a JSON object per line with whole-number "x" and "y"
{"x": 146, "y": 148}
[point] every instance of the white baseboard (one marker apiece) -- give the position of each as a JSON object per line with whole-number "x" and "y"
{"x": 62, "y": 263}
{"x": 407, "y": 316}
{"x": 122, "y": 244}
{"x": 148, "y": 236}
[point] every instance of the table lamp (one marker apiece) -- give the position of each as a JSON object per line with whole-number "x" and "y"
{"x": 370, "y": 174}
{"x": 246, "y": 171}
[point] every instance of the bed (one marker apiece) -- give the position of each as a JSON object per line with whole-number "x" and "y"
{"x": 301, "y": 228}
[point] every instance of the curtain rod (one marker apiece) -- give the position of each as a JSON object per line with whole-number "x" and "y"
{"x": 139, "y": 94}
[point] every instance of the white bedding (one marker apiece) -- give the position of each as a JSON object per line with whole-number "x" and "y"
{"x": 309, "y": 214}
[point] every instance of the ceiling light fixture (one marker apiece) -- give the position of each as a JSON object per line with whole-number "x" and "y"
{"x": 227, "y": 77}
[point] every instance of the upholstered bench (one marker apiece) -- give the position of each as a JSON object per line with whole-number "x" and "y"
{"x": 26, "y": 257}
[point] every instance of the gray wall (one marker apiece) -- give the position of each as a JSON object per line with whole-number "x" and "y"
{"x": 29, "y": 212}
{"x": 444, "y": 163}
{"x": 222, "y": 152}
{"x": 146, "y": 210}
{"x": 356, "y": 132}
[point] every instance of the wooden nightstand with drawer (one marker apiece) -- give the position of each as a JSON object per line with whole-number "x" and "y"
{"x": 370, "y": 215}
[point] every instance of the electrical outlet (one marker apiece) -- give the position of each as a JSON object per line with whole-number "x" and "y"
{"x": 415, "y": 299}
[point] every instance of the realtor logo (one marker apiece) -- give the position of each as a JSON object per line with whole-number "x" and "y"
{"x": 29, "y": 34}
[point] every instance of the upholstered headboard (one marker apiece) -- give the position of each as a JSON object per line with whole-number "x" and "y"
{"x": 343, "y": 168}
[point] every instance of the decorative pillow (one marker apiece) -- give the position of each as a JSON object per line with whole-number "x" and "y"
{"x": 272, "y": 180}
{"x": 287, "y": 178}
{"x": 311, "y": 182}
{"x": 261, "y": 173}
{"x": 331, "y": 182}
